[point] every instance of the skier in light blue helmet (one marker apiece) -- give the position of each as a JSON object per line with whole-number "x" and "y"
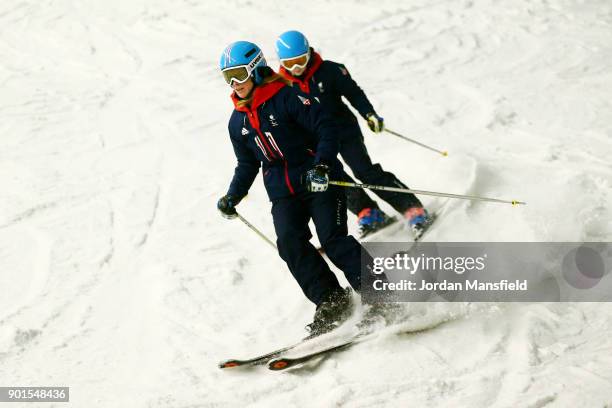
{"x": 328, "y": 82}
{"x": 240, "y": 61}
{"x": 294, "y": 45}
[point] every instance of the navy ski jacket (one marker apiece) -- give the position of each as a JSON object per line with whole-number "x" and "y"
{"x": 286, "y": 133}
{"x": 329, "y": 81}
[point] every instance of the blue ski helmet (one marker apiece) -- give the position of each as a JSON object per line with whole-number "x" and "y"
{"x": 291, "y": 44}
{"x": 240, "y": 61}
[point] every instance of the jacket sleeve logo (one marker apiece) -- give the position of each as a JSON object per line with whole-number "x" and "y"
{"x": 273, "y": 121}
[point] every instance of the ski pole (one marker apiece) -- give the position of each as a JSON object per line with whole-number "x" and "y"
{"x": 431, "y": 193}
{"x": 258, "y": 232}
{"x": 442, "y": 152}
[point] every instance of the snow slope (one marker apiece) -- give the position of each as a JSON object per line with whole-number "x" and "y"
{"x": 119, "y": 279}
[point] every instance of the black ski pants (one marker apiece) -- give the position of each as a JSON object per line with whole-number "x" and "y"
{"x": 354, "y": 152}
{"x": 328, "y": 211}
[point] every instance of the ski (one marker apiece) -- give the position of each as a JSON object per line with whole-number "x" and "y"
{"x": 282, "y": 363}
{"x": 262, "y": 359}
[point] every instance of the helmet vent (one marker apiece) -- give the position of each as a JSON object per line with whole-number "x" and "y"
{"x": 251, "y": 52}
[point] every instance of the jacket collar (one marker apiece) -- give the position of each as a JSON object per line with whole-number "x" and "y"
{"x": 261, "y": 94}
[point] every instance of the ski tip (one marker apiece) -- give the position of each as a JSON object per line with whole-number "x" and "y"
{"x": 229, "y": 364}
{"x": 445, "y": 153}
{"x": 279, "y": 364}
{"x": 516, "y": 202}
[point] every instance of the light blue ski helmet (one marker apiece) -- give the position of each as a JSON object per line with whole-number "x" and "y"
{"x": 240, "y": 61}
{"x": 291, "y": 44}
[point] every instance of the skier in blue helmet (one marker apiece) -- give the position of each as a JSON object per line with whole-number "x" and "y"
{"x": 240, "y": 61}
{"x": 328, "y": 82}
{"x": 277, "y": 128}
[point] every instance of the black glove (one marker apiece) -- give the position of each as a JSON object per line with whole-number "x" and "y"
{"x": 227, "y": 206}
{"x": 375, "y": 122}
{"x": 317, "y": 178}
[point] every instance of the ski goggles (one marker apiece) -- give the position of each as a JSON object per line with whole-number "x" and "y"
{"x": 241, "y": 73}
{"x": 296, "y": 62}
{"x": 238, "y": 74}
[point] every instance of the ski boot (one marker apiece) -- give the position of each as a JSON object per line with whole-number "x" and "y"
{"x": 372, "y": 220}
{"x": 380, "y": 314}
{"x": 332, "y": 312}
{"x": 418, "y": 220}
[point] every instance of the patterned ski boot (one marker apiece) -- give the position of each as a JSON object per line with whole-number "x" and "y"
{"x": 372, "y": 220}
{"x": 418, "y": 220}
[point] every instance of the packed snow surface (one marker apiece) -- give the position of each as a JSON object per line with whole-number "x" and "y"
{"x": 119, "y": 279}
